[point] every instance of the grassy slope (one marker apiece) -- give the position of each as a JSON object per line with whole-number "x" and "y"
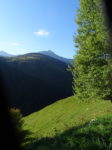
{"x": 63, "y": 115}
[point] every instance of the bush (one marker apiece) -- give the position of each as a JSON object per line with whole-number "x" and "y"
{"x": 17, "y": 121}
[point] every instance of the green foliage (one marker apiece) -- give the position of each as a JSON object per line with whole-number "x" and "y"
{"x": 16, "y": 118}
{"x": 91, "y": 73}
{"x": 18, "y": 122}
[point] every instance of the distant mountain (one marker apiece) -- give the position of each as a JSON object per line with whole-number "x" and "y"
{"x": 47, "y": 53}
{"x": 4, "y": 54}
{"x": 52, "y": 54}
{"x": 33, "y": 81}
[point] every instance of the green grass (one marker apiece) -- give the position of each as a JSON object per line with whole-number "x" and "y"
{"x": 62, "y": 118}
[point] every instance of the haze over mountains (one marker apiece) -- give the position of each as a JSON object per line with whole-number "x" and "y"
{"x": 52, "y": 54}
{"x": 5, "y": 54}
{"x": 33, "y": 81}
{"x": 47, "y": 53}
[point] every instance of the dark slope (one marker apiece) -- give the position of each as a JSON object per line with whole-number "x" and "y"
{"x": 34, "y": 81}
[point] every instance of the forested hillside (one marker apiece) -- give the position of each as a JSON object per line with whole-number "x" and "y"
{"x": 33, "y": 81}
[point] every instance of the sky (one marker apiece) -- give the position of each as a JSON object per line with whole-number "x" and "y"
{"x": 38, "y": 25}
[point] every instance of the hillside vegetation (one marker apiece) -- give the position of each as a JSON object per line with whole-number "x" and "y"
{"x": 33, "y": 81}
{"x": 57, "y": 124}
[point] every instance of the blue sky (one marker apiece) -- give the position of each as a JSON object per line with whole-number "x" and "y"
{"x": 37, "y": 25}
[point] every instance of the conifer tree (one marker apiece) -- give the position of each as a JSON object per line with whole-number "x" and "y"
{"x": 92, "y": 75}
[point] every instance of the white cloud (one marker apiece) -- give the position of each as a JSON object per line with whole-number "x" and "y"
{"x": 14, "y": 44}
{"x": 41, "y": 33}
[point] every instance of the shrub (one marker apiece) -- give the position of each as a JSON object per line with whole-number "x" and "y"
{"x": 17, "y": 121}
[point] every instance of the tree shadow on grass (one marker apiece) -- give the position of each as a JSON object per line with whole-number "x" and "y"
{"x": 25, "y": 137}
{"x": 93, "y": 135}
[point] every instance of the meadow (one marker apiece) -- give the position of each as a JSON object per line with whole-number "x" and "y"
{"x": 70, "y": 124}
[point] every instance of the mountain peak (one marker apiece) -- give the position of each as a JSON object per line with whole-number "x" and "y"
{"x": 50, "y": 51}
{"x": 52, "y": 54}
{"x": 5, "y": 54}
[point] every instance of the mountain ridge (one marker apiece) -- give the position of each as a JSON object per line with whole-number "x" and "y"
{"x": 33, "y": 81}
{"x": 47, "y": 53}
{"x": 5, "y": 54}
{"x": 52, "y": 54}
